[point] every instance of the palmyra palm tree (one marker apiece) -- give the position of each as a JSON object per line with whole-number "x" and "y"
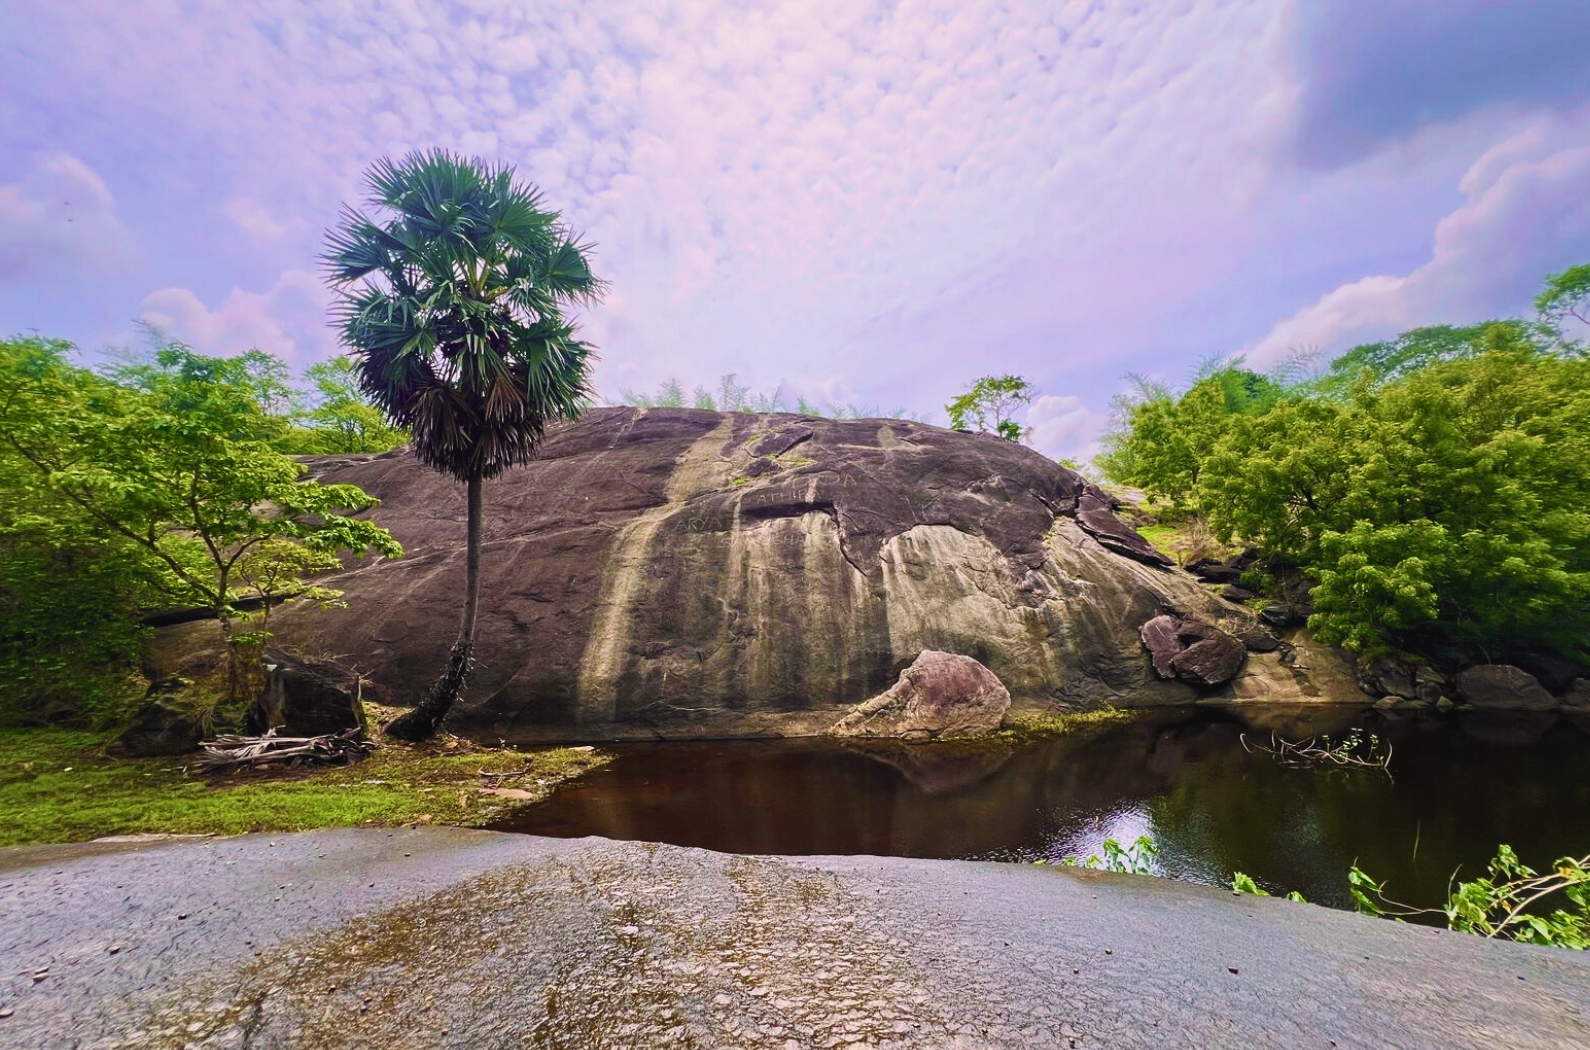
{"x": 450, "y": 297}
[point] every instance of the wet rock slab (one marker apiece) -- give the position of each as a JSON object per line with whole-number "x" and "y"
{"x": 460, "y": 939}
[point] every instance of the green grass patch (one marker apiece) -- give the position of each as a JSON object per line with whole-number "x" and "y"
{"x": 1026, "y": 725}
{"x": 1162, "y": 536}
{"x": 60, "y": 786}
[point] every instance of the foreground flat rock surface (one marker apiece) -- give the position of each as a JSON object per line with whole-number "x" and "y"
{"x": 443, "y": 937}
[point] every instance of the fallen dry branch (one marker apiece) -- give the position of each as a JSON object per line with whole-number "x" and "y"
{"x": 230, "y": 749}
{"x": 1355, "y": 751}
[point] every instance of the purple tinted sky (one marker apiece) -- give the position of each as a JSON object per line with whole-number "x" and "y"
{"x": 874, "y": 203}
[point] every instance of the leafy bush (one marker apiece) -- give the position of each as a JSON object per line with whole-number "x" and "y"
{"x": 1136, "y": 859}
{"x": 153, "y": 487}
{"x": 1436, "y": 486}
{"x": 1499, "y": 904}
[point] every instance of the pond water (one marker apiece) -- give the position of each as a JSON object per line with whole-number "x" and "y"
{"x": 1458, "y": 786}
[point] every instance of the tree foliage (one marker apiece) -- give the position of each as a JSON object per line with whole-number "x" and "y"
{"x": 1566, "y": 295}
{"x": 1436, "y": 486}
{"x": 342, "y": 419}
{"x": 1160, "y": 442}
{"x": 154, "y": 484}
{"x": 452, "y": 295}
{"x": 990, "y": 407}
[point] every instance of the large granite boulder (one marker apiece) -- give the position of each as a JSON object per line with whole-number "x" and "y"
{"x": 684, "y": 573}
{"x": 940, "y": 695}
{"x": 1501, "y": 687}
{"x": 306, "y": 698}
{"x": 1577, "y": 698}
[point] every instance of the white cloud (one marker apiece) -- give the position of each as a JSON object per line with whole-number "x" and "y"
{"x": 1525, "y": 213}
{"x": 872, "y": 200}
{"x": 764, "y": 182}
{"x": 256, "y": 220}
{"x": 1063, "y": 427}
{"x": 59, "y": 218}
{"x": 288, "y": 320}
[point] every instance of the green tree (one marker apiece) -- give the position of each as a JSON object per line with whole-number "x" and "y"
{"x": 70, "y": 591}
{"x": 990, "y": 406}
{"x": 262, "y": 377}
{"x": 1390, "y": 360}
{"x": 343, "y": 419}
{"x": 178, "y": 468}
{"x": 1448, "y": 508}
{"x": 1160, "y": 442}
{"x": 1566, "y": 294}
{"x": 451, "y": 300}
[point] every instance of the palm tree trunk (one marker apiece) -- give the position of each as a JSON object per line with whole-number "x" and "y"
{"x": 426, "y": 718}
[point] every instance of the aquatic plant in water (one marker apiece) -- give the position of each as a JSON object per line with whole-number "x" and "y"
{"x": 1136, "y": 859}
{"x": 1498, "y": 905}
{"x": 1353, "y": 751}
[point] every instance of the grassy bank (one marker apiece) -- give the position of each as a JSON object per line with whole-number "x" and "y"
{"x": 60, "y": 786}
{"x": 1037, "y": 724}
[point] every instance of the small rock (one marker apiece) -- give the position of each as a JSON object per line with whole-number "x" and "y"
{"x": 1278, "y": 615}
{"x": 1233, "y": 969}
{"x": 6, "y": 1011}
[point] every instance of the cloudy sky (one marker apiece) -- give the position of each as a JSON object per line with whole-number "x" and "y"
{"x": 872, "y": 203}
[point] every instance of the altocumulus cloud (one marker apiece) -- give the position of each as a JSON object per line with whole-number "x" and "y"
{"x": 878, "y": 201}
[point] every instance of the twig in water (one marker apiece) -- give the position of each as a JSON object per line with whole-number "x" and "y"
{"x": 1350, "y": 752}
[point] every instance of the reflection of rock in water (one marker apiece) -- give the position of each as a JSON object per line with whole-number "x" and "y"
{"x": 1508, "y": 728}
{"x": 1296, "y": 721}
{"x": 938, "y": 768}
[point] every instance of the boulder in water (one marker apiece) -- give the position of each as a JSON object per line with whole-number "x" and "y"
{"x": 940, "y": 695}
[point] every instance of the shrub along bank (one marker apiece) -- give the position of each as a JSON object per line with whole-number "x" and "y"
{"x": 1429, "y": 494}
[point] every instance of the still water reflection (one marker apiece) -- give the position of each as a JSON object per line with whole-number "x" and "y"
{"x": 1459, "y": 786}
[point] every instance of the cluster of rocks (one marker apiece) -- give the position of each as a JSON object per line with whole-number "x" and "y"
{"x": 300, "y": 698}
{"x": 1293, "y": 607}
{"x": 1200, "y": 653}
{"x": 1226, "y": 573}
{"x": 1486, "y": 687}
